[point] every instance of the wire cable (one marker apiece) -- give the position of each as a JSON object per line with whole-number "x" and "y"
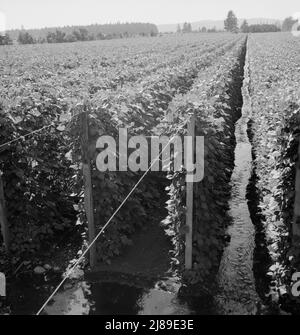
{"x": 102, "y": 230}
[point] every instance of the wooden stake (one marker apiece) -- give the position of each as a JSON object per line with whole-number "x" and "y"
{"x": 189, "y": 204}
{"x": 88, "y": 187}
{"x": 296, "y": 223}
{"x": 3, "y": 218}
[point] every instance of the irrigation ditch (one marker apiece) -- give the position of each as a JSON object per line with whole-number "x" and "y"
{"x": 148, "y": 278}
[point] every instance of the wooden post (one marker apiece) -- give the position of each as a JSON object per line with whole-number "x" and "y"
{"x": 88, "y": 187}
{"x": 3, "y": 218}
{"x": 189, "y": 202}
{"x": 296, "y": 223}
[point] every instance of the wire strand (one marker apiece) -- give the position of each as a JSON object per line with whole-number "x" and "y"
{"x": 24, "y": 136}
{"x": 102, "y": 230}
{"x": 35, "y": 132}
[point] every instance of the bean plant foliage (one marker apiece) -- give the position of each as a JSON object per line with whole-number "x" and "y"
{"x": 38, "y": 177}
{"x": 42, "y": 173}
{"x": 275, "y": 104}
{"x": 142, "y": 113}
{"x": 215, "y": 103}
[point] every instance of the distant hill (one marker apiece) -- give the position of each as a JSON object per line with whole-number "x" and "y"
{"x": 218, "y": 24}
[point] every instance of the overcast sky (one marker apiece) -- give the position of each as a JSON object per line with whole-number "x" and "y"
{"x": 51, "y": 13}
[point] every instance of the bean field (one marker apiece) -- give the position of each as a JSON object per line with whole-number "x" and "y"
{"x": 242, "y": 93}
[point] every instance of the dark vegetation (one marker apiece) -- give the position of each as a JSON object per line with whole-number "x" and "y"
{"x": 25, "y": 38}
{"x": 38, "y": 177}
{"x": 259, "y": 28}
{"x": 5, "y": 40}
{"x": 289, "y": 23}
{"x": 261, "y": 257}
{"x": 275, "y": 140}
{"x": 231, "y": 23}
{"x": 186, "y": 28}
{"x": 83, "y": 33}
{"x": 146, "y": 196}
{"x": 42, "y": 177}
{"x": 289, "y": 252}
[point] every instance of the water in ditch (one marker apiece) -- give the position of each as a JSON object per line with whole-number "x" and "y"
{"x": 109, "y": 298}
{"x": 98, "y": 297}
{"x": 237, "y": 292}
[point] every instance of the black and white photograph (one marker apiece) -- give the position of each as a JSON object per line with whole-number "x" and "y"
{"x": 149, "y": 160}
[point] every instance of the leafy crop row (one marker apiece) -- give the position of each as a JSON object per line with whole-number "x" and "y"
{"x": 44, "y": 85}
{"x": 215, "y": 100}
{"x": 276, "y": 106}
{"x": 142, "y": 113}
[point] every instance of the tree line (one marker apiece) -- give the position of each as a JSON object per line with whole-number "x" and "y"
{"x": 187, "y": 28}
{"x": 231, "y": 25}
{"x": 74, "y": 34}
{"x": 125, "y": 30}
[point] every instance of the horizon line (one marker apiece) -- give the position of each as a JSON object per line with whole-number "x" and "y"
{"x": 132, "y": 22}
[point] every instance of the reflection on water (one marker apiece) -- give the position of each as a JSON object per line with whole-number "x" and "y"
{"x": 108, "y": 298}
{"x": 115, "y": 299}
{"x": 158, "y": 302}
{"x": 73, "y": 301}
{"x": 81, "y": 297}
